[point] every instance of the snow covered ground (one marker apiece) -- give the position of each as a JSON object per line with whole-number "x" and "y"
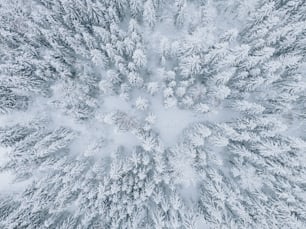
{"x": 152, "y": 114}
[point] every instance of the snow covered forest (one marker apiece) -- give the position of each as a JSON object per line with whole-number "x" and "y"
{"x": 179, "y": 114}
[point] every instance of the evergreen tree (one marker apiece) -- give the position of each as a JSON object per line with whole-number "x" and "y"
{"x": 152, "y": 114}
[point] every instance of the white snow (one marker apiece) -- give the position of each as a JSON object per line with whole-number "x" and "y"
{"x": 9, "y": 185}
{"x": 115, "y": 102}
{"x": 200, "y": 223}
{"x": 3, "y": 155}
{"x": 7, "y": 178}
{"x": 170, "y": 122}
{"x": 97, "y": 129}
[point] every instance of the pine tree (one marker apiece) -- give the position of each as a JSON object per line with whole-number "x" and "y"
{"x": 89, "y": 91}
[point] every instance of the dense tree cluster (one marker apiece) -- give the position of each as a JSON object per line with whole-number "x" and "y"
{"x": 79, "y": 78}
